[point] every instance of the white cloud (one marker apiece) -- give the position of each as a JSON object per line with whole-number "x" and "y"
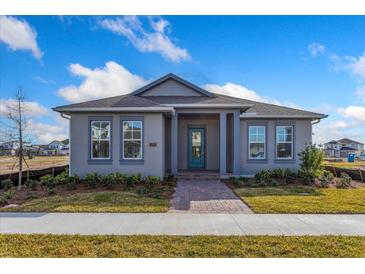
{"x": 31, "y": 108}
{"x": 19, "y": 35}
{"x": 153, "y": 39}
{"x": 360, "y": 92}
{"x": 239, "y": 91}
{"x": 44, "y": 133}
{"x": 316, "y": 49}
{"x": 354, "y": 112}
{"x": 112, "y": 80}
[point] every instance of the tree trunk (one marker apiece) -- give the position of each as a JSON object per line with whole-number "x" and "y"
{"x": 20, "y": 148}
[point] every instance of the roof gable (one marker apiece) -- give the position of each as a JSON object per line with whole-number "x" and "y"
{"x": 171, "y": 85}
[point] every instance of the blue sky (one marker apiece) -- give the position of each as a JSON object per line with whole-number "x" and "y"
{"x": 314, "y": 63}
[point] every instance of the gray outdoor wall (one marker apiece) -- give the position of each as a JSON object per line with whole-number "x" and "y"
{"x": 302, "y": 135}
{"x": 171, "y": 88}
{"x": 153, "y": 156}
{"x": 211, "y": 125}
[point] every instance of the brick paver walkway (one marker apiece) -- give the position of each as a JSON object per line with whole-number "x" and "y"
{"x": 206, "y": 196}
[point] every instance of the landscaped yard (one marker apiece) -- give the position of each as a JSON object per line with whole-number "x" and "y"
{"x": 303, "y": 199}
{"x": 104, "y": 201}
{"x": 60, "y": 246}
{"x": 38, "y": 162}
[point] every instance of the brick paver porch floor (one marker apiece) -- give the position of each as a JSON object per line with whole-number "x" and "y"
{"x": 206, "y": 196}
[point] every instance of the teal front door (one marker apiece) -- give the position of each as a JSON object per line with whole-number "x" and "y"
{"x": 196, "y": 148}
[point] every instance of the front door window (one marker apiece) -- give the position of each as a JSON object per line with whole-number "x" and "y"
{"x": 196, "y": 148}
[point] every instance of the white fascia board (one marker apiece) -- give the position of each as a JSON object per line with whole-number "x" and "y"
{"x": 253, "y": 115}
{"x": 208, "y": 105}
{"x": 116, "y": 109}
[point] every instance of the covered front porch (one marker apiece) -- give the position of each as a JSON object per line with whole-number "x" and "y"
{"x": 203, "y": 141}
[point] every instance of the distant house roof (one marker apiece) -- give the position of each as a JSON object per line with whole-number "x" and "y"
{"x": 333, "y": 142}
{"x": 55, "y": 143}
{"x": 137, "y": 103}
{"x": 66, "y": 141}
{"x": 349, "y": 141}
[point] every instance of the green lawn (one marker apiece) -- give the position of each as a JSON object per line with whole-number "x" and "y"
{"x": 303, "y": 199}
{"x": 38, "y": 246}
{"x": 104, "y": 201}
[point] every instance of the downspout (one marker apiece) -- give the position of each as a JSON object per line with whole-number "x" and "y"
{"x": 69, "y": 142}
{"x": 315, "y": 121}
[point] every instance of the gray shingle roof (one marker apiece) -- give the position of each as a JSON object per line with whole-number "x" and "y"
{"x": 257, "y": 109}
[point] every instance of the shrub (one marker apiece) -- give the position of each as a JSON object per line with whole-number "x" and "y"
{"x": 32, "y": 184}
{"x": 344, "y": 180}
{"x": 311, "y": 159}
{"x": 143, "y": 190}
{"x": 263, "y": 178}
{"x": 61, "y": 178}
{"x": 92, "y": 179}
{"x": 6, "y": 196}
{"x": 7, "y": 184}
{"x": 134, "y": 179}
{"x": 152, "y": 180}
{"x": 326, "y": 178}
{"x": 49, "y": 183}
{"x": 109, "y": 180}
{"x": 120, "y": 178}
{"x": 72, "y": 181}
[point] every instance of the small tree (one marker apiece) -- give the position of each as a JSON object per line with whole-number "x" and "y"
{"x": 311, "y": 162}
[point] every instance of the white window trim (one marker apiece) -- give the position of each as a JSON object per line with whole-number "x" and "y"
{"x": 256, "y": 142}
{"x": 91, "y": 139}
{"x": 284, "y": 142}
{"x": 141, "y": 140}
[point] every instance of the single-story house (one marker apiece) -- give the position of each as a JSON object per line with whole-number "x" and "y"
{"x": 172, "y": 125}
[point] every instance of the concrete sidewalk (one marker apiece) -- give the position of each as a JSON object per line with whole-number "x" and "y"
{"x": 182, "y": 224}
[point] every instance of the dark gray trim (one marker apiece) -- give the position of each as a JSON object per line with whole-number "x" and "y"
{"x": 293, "y": 159}
{"x": 100, "y": 161}
{"x": 176, "y": 78}
{"x": 259, "y": 123}
{"x": 121, "y": 139}
{"x": 200, "y": 126}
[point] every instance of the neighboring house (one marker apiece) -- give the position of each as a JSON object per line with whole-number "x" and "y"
{"x": 171, "y": 125}
{"x": 58, "y": 148}
{"x": 343, "y": 147}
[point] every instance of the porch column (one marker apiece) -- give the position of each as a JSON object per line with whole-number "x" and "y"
{"x": 223, "y": 143}
{"x": 236, "y": 143}
{"x": 174, "y": 124}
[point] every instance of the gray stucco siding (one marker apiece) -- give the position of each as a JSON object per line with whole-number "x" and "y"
{"x": 302, "y": 136}
{"x": 153, "y": 156}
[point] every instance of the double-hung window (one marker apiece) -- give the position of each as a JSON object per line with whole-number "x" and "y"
{"x": 284, "y": 142}
{"x": 132, "y": 140}
{"x": 257, "y": 142}
{"x": 100, "y": 139}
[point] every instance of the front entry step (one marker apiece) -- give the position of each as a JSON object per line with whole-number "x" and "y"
{"x": 198, "y": 176}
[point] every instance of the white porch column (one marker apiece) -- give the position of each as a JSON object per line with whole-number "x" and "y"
{"x": 223, "y": 144}
{"x": 236, "y": 143}
{"x": 174, "y": 127}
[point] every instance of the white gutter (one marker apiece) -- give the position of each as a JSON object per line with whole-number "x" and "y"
{"x": 315, "y": 122}
{"x": 253, "y": 115}
{"x": 64, "y": 116}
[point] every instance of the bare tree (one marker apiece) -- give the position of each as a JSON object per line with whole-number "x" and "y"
{"x": 15, "y": 127}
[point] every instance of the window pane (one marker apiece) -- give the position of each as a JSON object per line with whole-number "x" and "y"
{"x": 280, "y": 130}
{"x": 252, "y": 130}
{"x": 137, "y": 125}
{"x": 100, "y": 149}
{"x": 196, "y": 139}
{"x": 95, "y": 130}
{"x": 127, "y": 134}
{"x": 253, "y": 138}
{"x": 281, "y": 138}
{"x": 288, "y": 138}
{"x": 137, "y": 135}
{"x": 284, "y": 150}
{"x": 132, "y": 150}
{"x": 261, "y": 130}
{"x": 257, "y": 151}
{"x": 288, "y": 130}
{"x": 261, "y": 138}
{"x": 127, "y": 125}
